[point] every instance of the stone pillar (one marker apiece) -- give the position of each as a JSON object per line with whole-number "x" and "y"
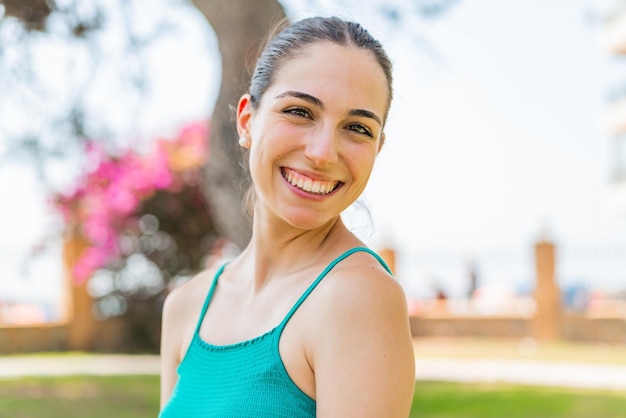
{"x": 546, "y": 322}
{"x": 81, "y": 324}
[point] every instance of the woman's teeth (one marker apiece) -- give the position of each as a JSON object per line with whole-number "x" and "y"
{"x": 310, "y": 186}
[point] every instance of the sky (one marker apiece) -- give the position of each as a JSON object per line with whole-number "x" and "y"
{"x": 505, "y": 135}
{"x": 495, "y": 139}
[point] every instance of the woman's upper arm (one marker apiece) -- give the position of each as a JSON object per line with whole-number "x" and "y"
{"x": 171, "y": 339}
{"x": 363, "y": 359}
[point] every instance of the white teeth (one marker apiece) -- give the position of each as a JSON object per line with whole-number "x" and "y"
{"x": 308, "y": 185}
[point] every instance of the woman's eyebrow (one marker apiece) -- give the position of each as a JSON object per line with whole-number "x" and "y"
{"x": 304, "y": 96}
{"x": 317, "y": 102}
{"x": 366, "y": 114}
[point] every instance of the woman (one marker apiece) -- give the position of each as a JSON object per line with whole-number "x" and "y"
{"x": 306, "y": 321}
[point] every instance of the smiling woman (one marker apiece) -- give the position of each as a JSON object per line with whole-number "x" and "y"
{"x": 286, "y": 328}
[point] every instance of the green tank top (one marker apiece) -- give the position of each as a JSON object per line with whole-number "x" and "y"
{"x": 242, "y": 380}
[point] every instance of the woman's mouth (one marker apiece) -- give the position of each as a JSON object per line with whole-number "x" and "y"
{"x": 308, "y": 184}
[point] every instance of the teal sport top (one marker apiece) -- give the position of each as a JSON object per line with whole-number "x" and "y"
{"x": 242, "y": 380}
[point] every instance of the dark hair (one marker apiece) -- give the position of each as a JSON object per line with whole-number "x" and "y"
{"x": 291, "y": 39}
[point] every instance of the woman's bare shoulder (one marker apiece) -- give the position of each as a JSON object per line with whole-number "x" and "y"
{"x": 189, "y": 296}
{"x": 360, "y": 339}
{"x": 358, "y": 287}
{"x": 363, "y": 277}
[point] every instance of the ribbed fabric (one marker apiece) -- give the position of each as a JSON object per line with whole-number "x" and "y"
{"x": 243, "y": 380}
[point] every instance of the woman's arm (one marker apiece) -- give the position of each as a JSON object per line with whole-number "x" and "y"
{"x": 363, "y": 355}
{"x": 181, "y": 312}
{"x": 170, "y": 347}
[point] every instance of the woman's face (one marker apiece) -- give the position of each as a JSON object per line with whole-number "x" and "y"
{"x": 315, "y": 134}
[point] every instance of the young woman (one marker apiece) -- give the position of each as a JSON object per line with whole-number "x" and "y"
{"x": 306, "y": 321}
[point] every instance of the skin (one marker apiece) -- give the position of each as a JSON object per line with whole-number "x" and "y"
{"x": 348, "y": 346}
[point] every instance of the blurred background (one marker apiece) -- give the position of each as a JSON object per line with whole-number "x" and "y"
{"x": 499, "y": 198}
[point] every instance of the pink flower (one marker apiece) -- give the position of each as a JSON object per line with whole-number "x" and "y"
{"x": 91, "y": 259}
{"x": 122, "y": 200}
{"x": 159, "y": 169}
{"x": 114, "y": 187}
{"x": 196, "y": 135}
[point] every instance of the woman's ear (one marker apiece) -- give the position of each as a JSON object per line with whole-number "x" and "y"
{"x": 244, "y": 109}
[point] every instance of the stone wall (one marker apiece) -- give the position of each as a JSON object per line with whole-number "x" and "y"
{"x": 105, "y": 336}
{"x": 502, "y": 327}
{"x": 28, "y": 339}
{"x": 581, "y": 328}
{"x": 571, "y": 328}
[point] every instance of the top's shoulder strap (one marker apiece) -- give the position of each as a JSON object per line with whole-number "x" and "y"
{"x": 209, "y": 296}
{"x": 324, "y": 273}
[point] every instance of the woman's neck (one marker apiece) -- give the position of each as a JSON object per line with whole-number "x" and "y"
{"x": 274, "y": 252}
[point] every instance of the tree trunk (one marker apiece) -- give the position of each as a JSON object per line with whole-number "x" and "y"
{"x": 241, "y": 26}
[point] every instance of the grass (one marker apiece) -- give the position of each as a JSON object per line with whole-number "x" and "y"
{"x": 80, "y": 396}
{"x": 137, "y": 397}
{"x": 454, "y": 400}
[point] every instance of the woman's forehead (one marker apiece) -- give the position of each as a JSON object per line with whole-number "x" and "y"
{"x": 326, "y": 63}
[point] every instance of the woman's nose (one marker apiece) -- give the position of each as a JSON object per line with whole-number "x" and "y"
{"x": 322, "y": 147}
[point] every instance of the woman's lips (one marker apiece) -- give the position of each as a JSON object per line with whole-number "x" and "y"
{"x": 308, "y": 184}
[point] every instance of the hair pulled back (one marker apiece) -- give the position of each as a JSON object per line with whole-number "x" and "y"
{"x": 293, "y": 39}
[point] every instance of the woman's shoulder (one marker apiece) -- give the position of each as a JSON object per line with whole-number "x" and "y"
{"x": 360, "y": 337}
{"x": 189, "y": 295}
{"x": 362, "y": 266}
{"x": 360, "y": 300}
{"x": 360, "y": 281}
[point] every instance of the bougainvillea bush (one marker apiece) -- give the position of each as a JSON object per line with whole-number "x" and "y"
{"x": 143, "y": 219}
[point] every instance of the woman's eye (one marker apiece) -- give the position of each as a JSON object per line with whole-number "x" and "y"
{"x": 298, "y": 111}
{"x": 360, "y": 129}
